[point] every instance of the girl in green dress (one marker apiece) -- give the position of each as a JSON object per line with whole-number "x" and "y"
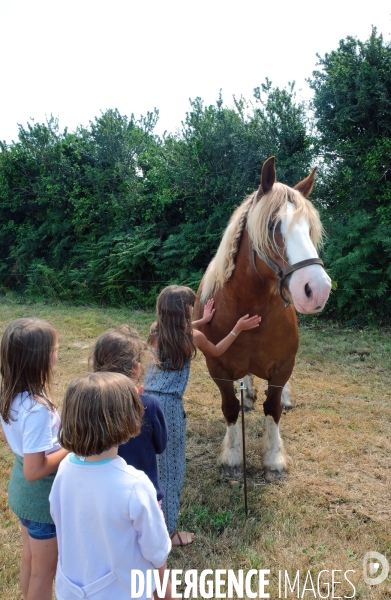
{"x": 30, "y": 424}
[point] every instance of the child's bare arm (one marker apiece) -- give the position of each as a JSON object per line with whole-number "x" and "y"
{"x": 37, "y": 465}
{"x": 167, "y": 595}
{"x": 201, "y": 342}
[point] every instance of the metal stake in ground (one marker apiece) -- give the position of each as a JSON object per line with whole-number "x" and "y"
{"x": 242, "y": 388}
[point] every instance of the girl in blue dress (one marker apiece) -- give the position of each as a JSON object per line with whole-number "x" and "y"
{"x": 175, "y": 341}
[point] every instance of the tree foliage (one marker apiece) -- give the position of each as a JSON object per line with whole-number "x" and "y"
{"x": 112, "y": 212}
{"x": 352, "y": 105}
{"x": 212, "y": 164}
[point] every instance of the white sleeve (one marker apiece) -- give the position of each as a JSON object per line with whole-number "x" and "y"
{"x": 148, "y": 521}
{"x": 54, "y": 496}
{"x": 37, "y": 430}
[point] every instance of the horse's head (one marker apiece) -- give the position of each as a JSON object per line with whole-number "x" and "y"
{"x": 285, "y": 228}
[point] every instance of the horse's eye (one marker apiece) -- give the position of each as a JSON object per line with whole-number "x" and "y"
{"x": 271, "y": 225}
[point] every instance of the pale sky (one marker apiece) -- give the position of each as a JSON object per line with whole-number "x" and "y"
{"x": 76, "y": 58}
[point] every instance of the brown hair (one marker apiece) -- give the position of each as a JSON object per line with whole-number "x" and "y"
{"x": 118, "y": 350}
{"x": 26, "y": 350}
{"x": 100, "y": 410}
{"x": 173, "y": 331}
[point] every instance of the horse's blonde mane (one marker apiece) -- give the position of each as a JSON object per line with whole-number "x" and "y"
{"x": 257, "y": 216}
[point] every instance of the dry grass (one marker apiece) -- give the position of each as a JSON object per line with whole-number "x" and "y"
{"x": 333, "y": 506}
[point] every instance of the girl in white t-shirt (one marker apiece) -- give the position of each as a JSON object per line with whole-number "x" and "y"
{"x": 30, "y": 424}
{"x": 112, "y": 539}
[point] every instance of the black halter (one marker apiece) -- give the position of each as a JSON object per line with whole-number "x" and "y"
{"x": 282, "y": 274}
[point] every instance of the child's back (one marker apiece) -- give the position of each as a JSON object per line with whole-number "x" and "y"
{"x": 116, "y": 526}
{"x": 140, "y": 451}
{"x": 106, "y": 513}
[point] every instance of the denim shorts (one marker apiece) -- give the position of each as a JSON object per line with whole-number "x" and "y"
{"x": 39, "y": 531}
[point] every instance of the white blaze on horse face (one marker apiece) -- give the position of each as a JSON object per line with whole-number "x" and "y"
{"x": 310, "y": 286}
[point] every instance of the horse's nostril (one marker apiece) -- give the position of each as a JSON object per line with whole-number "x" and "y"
{"x": 308, "y": 291}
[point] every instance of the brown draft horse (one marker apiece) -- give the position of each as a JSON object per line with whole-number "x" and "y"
{"x": 267, "y": 259}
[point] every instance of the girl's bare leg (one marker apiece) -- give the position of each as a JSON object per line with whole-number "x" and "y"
{"x": 25, "y": 565}
{"x": 43, "y": 568}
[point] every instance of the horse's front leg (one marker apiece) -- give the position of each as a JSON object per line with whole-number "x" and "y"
{"x": 231, "y": 453}
{"x": 273, "y": 454}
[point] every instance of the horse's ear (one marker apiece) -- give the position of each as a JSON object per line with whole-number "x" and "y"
{"x": 305, "y": 186}
{"x": 268, "y": 177}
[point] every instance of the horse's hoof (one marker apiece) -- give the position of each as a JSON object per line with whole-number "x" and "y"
{"x": 274, "y": 476}
{"x": 286, "y": 409}
{"x": 233, "y": 472}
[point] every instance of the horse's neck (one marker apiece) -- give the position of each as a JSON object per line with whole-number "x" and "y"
{"x": 248, "y": 275}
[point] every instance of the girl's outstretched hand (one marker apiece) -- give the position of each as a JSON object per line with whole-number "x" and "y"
{"x": 247, "y": 322}
{"x": 209, "y": 311}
